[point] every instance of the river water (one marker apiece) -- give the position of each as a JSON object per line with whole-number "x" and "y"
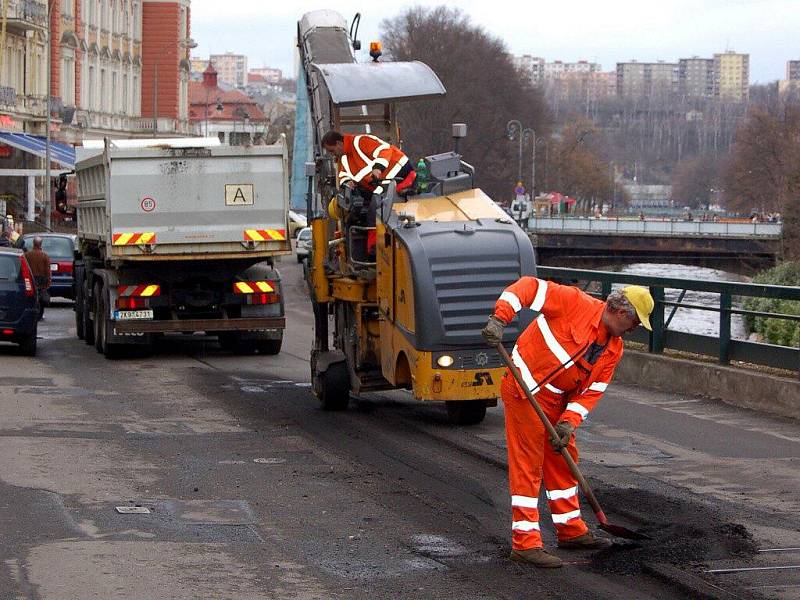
{"x": 687, "y": 319}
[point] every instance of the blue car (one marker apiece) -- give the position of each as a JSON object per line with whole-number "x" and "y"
{"x": 19, "y": 304}
{"x": 60, "y": 247}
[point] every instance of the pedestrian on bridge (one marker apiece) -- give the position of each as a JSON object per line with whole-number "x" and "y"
{"x": 567, "y": 358}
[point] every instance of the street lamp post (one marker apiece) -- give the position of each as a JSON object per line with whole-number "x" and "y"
{"x": 219, "y": 107}
{"x": 514, "y": 130}
{"x": 47, "y": 182}
{"x": 187, "y": 43}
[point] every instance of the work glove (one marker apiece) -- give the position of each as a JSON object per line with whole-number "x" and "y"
{"x": 493, "y": 332}
{"x": 564, "y": 430}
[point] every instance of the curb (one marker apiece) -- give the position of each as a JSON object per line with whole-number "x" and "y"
{"x": 738, "y": 387}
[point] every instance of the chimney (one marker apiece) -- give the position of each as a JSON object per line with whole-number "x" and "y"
{"x": 210, "y": 76}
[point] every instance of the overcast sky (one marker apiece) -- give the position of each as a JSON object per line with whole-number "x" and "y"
{"x": 607, "y": 31}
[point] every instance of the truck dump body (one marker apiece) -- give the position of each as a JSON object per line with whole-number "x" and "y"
{"x": 181, "y": 237}
{"x": 192, "y": 203}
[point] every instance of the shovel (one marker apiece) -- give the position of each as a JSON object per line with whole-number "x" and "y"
{"x": 615, "y": 530}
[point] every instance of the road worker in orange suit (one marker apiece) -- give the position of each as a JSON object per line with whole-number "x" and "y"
{"x": 363, "y": 162}
{"x": 567, "y": 358}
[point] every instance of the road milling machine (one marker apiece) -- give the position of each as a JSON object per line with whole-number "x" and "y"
{"x": 409, "y": 316}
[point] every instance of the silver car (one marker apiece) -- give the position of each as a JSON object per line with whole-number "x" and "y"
{"x": 303, "y": 244}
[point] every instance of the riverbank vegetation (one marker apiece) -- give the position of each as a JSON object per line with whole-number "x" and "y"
{"x": 776, "y": 331}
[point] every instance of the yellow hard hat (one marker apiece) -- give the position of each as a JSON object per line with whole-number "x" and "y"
{"x": 642, "y": 301}
{"x": 333, "y": 209}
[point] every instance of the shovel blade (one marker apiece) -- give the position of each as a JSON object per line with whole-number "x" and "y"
{"x": 623, "y": 532}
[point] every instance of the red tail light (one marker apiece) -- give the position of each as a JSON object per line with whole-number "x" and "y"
{"x": 8, "y": 332}
{"x": 263, "y": 298}
{"x": 131, "y": 303}
{"x": 27, "y": 277}
{"x": 64, "y": 266}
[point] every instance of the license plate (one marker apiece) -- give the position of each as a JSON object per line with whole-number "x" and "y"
{"x": 133, "y": 315}
{"x": 53, "y": 267}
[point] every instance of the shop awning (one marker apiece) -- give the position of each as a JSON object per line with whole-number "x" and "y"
{"x": 63, "y": 154}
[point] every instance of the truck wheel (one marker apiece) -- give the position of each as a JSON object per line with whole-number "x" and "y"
{"x": 465, "y": 412}
{"x": 79, "y": 312}
{"x": 97, "y": 312}
{"x": 110, "y": 351}
{"x": 333, "y": 387}
{"x": 86, "y": 315}
{"x": 27, "y": 347}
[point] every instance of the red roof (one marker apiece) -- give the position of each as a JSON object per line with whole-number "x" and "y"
{"x": 233, "y": 102}
{"x": 256, "y": 78}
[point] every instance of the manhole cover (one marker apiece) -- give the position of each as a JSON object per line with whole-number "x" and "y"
{"x": 133, "y": 510}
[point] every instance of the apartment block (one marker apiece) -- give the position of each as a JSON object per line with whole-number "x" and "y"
{"x": 646, "y": 79}
{"x": 732, "y": 76}
{"x": 793, "y": 70}
{"x": 270, "y": 74}
{"x": 231, "y": 68}
{"x": 23, "y": 67}
{"x": 532, "y": 66}
{"x": 696, "y": 77}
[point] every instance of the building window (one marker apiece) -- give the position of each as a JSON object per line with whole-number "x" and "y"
{"x": 66, "y": 8}
{"x": 103, "y": 97}
{"x": 114, "y": 93}
{"x": 68, "y": 76}
{"x": 137, "y": 97}
{"x": 125, "y": 93}
{"x": 91, "y": 90}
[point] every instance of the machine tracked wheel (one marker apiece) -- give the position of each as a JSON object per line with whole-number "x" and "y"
{"x": 466, "y": 412}
{"x": 333, "y": 387}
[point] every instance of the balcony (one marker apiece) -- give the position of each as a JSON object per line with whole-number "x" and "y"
{"x": 26, "y": 15}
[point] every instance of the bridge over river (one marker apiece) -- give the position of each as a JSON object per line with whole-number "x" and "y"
{"x": 756, "y": 244}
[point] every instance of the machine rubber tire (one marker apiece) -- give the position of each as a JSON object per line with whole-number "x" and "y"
{"x": 88, "y": 324}
{"x": 27, "y": 347}
{"x": 334, "y": 387}
{"x": 465, "y": 412}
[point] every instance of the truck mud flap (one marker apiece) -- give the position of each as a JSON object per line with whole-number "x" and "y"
{"x": 125, "y": 327}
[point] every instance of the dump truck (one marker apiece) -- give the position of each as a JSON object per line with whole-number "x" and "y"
{"x": 409, "y": 318}
{"x": 180, "y": 236}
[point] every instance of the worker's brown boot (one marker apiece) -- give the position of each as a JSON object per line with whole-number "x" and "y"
{"x": 585, "y": 542}
{"x": 538, "y": 557}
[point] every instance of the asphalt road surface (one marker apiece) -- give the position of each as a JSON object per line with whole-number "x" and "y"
{"x": 253, "y": 492}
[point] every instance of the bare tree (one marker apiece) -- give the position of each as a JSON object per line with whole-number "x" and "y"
{"x": 763, "y": 173}
{"x": 484, "y": 90}
{"x": 694, "y": 181}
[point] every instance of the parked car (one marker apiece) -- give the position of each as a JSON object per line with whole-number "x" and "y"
{"x": 19, "y": 306}
{"x": 60, "y": 247}
{"x": 297, "y": 221}
{"x": 303, "y": 248}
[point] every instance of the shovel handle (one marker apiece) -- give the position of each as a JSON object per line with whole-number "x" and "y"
{"x": 551, "y": 431}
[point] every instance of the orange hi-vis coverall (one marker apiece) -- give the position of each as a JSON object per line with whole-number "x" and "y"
{"x": 569, "y": 345}
{"x": 362, "y": 154}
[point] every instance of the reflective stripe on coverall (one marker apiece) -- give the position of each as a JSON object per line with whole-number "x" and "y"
{"x": 568, "y": 325}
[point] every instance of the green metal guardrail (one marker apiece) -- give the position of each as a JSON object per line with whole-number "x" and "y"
{"x": 725, "y": 348}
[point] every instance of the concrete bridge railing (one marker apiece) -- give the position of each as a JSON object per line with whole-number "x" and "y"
{"x": 653, "y": 227}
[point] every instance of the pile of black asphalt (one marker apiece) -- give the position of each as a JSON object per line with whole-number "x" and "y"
{"x": 683, "y": 533}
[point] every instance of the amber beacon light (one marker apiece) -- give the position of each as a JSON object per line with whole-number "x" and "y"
{"x": 375, "y": 50}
